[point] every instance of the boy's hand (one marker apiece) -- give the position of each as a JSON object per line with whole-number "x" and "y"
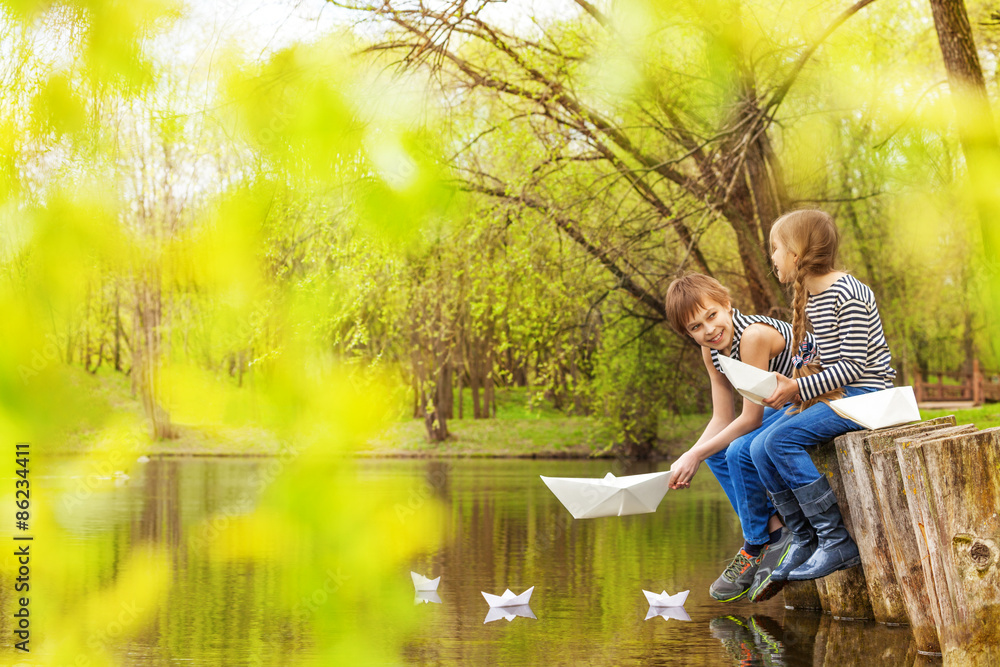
{"x": 684, "y": 469}
{"x": 787, "y": 391}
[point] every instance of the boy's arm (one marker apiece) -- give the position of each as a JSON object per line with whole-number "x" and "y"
{"x": 756, "y": 347}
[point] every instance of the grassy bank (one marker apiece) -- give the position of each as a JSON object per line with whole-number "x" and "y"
{"x": 523, "y": 428}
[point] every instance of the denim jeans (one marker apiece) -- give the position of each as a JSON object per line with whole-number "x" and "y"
{"x": 735, "y": 471}
{"x": 779, "y": 451}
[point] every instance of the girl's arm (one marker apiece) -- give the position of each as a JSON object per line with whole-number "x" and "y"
{"x": 852, "y": 322}
{"x": 755, "y": 349}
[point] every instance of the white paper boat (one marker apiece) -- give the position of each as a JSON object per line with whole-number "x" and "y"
{"x": 664, "y": 600}
{"x": 676, "y": 613}
{"x": 508, "y": 599}
{"x": 589, "y": 497}
{"x": 423, "y": 597}
{"x": 508, "y": 613}
{"x": 752, "y": 382}
{"x": 880, "y": 409}
{"x": 422, "y": 583}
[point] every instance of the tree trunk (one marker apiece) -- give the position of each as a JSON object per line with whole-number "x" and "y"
{"x": 147, "y": 356}
{"x": 118, "y": 331}
{"x": 977, "y": 133}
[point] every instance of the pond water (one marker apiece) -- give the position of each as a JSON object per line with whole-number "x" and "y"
{"x": 502, "y": 528}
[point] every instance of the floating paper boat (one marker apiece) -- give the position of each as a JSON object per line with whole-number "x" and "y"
{"x": 667, "y": 613}
{"x": 508, "y": 613}
{"x": 508, "y": 599}
{"x": 589, "y": 497}
{"x": 423, "y": 597}
{"x": 879, "y": 409}
{"x": 422, "y": 583}
{"x": 664, "y": 600}
{"x": 752, "y": 382}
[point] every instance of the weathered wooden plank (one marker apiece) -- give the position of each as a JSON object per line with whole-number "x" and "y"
{"x": 962, "y": 506}
{"x": 846, "y": 594}
{"x": 910, "y": 458}
{"x": 853, "y": 451}
{"x": 902, "y": 541}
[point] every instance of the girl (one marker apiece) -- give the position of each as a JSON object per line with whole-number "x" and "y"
{"x": 855, "y": 359}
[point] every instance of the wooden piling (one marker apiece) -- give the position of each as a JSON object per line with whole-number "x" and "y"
{"x": 900, "y": 536}
{"x": 961, "y": 479}
{"x": 801, "y": 595}
{"x": 846, "y": 596}
{"x": 853, "y": 451}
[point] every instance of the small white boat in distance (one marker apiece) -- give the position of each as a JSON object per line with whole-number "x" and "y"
{"x": 508, "y": 599}
{"x": 589, "y": 497}
{"x": 664, "y": 600}
{"x": 752, "y": 382}
{"x": 422, "y": 583}
{"x": 879, "y": 409}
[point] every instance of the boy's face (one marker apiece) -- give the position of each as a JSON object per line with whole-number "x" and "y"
{"x": 711, "y": 325}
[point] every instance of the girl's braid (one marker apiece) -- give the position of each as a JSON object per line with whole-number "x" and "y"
{"x": 803, "y": 268}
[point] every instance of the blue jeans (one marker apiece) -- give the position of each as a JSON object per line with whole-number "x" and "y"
{"x": 735, "y": 471}
{"x": 779, "y": 451}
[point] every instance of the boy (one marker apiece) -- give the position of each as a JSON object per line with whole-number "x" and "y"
{"x": 699, "y": 306}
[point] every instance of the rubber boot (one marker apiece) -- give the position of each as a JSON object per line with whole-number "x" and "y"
{"x": 836, "y": 550}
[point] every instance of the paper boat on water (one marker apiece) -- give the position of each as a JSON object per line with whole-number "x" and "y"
{"x": 880, "y": 409}
{"x": 508, "y": 599}
{"x": 423, "y": 597}
{"x": 667, "y": 613}
{"x": 588, "y": 497}
{"x": 664, "y": 600}
{"x": 422, "y": 583}
{"x": 508, "y": 613}
{"x": 752, "y": 382}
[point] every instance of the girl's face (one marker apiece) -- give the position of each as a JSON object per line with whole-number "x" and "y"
{"x": 711, "y": 325}
{"x": 784, "y": 260}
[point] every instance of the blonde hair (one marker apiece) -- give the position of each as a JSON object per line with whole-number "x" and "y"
{"x": 686, "y": 294}
{"x": 812, "y": 237}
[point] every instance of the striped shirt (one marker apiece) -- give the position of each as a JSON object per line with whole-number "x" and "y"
{"x": 779, "y": 364}
{"x": 852, "y": 345}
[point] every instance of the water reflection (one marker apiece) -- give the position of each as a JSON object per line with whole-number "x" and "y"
{"x": 503, "y": 529}
{"x": 508, "y": 613}
{"x": 667, "y": 613}
{"x": 424, "y": 597}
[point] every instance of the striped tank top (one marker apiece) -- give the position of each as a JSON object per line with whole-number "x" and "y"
{"x": 779, "y": 364}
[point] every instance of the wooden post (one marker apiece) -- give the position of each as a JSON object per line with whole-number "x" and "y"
{"x": 977, "y": 383}
{"x": 801, "y": 595}
{"x": 902, "y": 540}
{"x": 853, "y": 450}
{"x": 846, "y": 594}
{"x": 961, "y": 480}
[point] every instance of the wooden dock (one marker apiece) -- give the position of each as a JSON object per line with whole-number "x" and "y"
{"x": 922, "y": 502}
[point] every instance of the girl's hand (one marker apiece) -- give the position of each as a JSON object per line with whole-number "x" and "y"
{"x": 787, "y": 391}
{"x": 684, "y": 469}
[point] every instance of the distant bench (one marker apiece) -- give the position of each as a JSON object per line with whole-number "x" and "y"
{"x": 923, "y": 503}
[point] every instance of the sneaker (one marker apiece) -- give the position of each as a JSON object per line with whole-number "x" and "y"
{"x": 763, "y": 587}
{"x": 738, "y": 577}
